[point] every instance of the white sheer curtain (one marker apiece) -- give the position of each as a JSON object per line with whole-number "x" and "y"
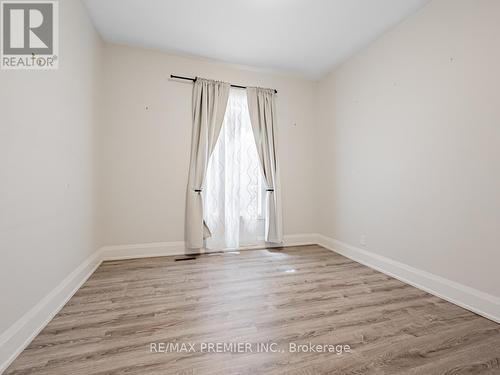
{"x": 234, "y": 188}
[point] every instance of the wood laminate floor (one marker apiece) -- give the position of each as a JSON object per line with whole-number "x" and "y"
{"x": 294, "y": 295}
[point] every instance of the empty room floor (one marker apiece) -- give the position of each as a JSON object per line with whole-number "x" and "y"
{"x": 295, "y": 295}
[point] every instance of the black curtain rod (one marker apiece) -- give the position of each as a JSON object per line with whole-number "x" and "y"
{"x": 194, "y": 80}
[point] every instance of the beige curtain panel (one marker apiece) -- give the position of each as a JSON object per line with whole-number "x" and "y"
{"x": 209, "y": 106}
{"x": 262, "y": 109}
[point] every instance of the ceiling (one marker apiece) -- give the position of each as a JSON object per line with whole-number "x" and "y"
{"x": 308, "y": 37}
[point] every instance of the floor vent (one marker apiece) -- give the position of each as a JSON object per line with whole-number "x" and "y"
{"x": 184, "y": 258}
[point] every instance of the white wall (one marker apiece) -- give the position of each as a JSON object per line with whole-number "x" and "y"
{"x": 409, "y": 140}
{"x": 48, "y": 168}
{"x": 146, "y": 151}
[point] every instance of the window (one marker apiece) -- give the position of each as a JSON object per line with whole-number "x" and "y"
{"x": 234, "y": 193}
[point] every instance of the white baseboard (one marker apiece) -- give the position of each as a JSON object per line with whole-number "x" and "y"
{"x": 301, "y": 239}
{"x": 142, "y": 250}
{"x": 18, "y": 336}
{"x": 469, "y": 298}
{"x": 156, "y": 249}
